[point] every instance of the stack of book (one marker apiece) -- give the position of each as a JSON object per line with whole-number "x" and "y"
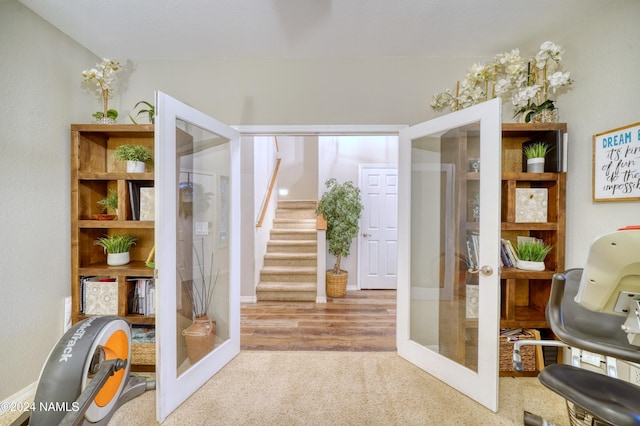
{"x": 142, "y": 297}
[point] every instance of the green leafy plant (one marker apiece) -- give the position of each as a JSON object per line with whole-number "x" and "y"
{"x": 341, "y": 207}
{"x": 150, "y": 111}
{"x": 536, "y": 150}
{"x": 116, "y": 243}
{"x": 110, "y": 202}
{"x": 532, "y": 251}
{"x": 112, "y": 114}
{"x": 129, "y": 152}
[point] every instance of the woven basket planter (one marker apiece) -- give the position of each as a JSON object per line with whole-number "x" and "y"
{"x": 337, "y": 283}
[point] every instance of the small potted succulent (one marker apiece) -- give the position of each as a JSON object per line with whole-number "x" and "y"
{"x": 535, "y": 153}
{"x": 109, "y": 206}
{"x": 117, "y": 248}
{"x": 531, "y": 255}
{"x": 136, "y": 157}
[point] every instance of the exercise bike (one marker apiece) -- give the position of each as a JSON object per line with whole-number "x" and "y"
{"x": 596, "y": 309}
{"x": 86, "y": 377}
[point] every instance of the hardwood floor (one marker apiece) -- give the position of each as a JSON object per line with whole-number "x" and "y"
{"x": 363, "y": 320}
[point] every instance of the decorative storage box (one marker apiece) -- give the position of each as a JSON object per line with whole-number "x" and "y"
{"x": 531, "y": 205}
{"x": 101, "y": 297}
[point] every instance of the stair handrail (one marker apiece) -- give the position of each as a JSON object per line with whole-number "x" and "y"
{"x": 269, "y": 189}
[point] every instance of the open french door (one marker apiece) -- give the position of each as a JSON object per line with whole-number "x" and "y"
{"x": 197, "y": 252}
{"x": 448, "y": 251}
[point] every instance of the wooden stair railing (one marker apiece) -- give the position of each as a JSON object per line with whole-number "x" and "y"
{"x": 272, "y": 184}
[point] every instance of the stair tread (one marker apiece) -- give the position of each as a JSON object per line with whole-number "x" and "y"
{"x": 293, "y": 242}
{"x": 288, "y": 270}
{"x": 290, "y": 255}
{"x": 286, "y": 286}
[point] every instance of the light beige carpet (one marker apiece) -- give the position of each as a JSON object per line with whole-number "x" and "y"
{"x": 340, "y": 388}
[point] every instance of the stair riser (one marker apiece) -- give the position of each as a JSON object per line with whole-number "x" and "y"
{"x": 300, "y": 224}
{"x": 295, "y": 214}
{"x": 295, "y": 204}
{"x": 288, "y": 235}
{"x": 290, "y": 262}
{"x": 287, "y": 278}
{"x": 290, "y": 248}
{"x": 286, "y": 296}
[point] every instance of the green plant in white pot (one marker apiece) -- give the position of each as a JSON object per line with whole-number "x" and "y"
{"x": 136, "y": 157}
{"x": 341, "y": 207}
{"x": 117, "y": 248}
{"x": 531, "y": 255}
{"x": 535, "y": 154}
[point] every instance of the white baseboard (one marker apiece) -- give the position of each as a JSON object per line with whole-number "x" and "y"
{"x": 248, "y": 299}
{"x": 321, "y": 299}
{"x": 18, "y": 398}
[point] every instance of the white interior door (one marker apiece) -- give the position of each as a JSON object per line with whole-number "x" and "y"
{"x": 454, "y": 338}
{"x": 197, "y": 257}
{"x": 378, "y": 227}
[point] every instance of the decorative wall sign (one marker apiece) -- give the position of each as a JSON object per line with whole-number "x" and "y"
{"x": 616, "y": 164}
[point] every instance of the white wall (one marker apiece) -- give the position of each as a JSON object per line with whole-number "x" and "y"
{"x": 40, "y": 92}
{"x": 339, "y": 158}
{"x": 299, "y": 169}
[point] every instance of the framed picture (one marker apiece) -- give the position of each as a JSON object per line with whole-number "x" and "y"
{"x": 616, "y": 164}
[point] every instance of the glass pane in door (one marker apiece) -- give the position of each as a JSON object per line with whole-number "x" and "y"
{"x": 202, "y": 249}
{"x": 445, "y": 214}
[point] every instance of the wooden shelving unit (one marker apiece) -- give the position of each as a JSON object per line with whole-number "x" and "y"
{"x": 525, "y": 293}
{"x": 94, "y": 172}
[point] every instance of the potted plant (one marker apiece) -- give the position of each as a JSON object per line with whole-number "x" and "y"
{"x": 341, "y": 207}
{"x": 136, "y": 157}
{"x": 150, "y": 111}
{"x": 535, "y": 153}
{"x": 117, "y": 248}
{"x": 531, "y": 255}
{"x": 109, "y": 206}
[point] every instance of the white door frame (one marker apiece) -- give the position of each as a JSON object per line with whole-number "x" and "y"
{"x": 361, "y": 168}
{"x": 319, "y": 130}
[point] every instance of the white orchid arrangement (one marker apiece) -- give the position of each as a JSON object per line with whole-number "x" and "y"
{"x": 103, "y": 76}
{"x": 526, "y": 83}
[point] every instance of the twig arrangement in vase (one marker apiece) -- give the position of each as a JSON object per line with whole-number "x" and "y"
{"x": 103, "y": 76}
{"x": 200, "y": 335}
{"x": 527, "y": 84}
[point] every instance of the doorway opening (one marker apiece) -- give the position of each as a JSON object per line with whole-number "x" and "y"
{"x": 362, "y": 320}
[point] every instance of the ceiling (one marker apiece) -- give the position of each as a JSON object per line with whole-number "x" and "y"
{"x": 169, "y": 29}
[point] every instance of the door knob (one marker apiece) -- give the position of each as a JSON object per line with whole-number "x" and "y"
{"x": 366, "y": 235}
{"x": 486, "y": 270}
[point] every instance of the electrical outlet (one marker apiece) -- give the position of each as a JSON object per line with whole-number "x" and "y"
{"x": 634, "y": 374}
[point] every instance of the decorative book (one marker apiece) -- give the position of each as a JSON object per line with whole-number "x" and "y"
{"x": 147, "y": 203}
{"x": 531, "y": 205}
{"x": 101, "y": 297}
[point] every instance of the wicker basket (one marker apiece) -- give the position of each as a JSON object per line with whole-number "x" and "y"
{"x": 527, "y": 352}
{"x": 143, "y": 353}
{"x": 337, "y": 283}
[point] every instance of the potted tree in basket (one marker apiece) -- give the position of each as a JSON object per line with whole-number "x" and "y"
{"x": 341, "y": 207}
{"x": 117, "y": 248}
{"x": 535, "y": 153}
{"x": 136, "y": 157}
{"x": 531, "y": 255}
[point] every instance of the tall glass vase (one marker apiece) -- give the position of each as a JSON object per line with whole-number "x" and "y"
{"x": 105, "y": 119}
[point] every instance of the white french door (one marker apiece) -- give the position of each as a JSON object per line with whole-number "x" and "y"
{"x": 453, "y": 337}
{"x": 197, "y": 252}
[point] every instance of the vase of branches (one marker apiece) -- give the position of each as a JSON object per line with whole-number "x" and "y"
{"x": 200, "y": 336}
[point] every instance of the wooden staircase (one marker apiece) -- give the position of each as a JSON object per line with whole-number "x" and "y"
{"x": 290, "y": 264}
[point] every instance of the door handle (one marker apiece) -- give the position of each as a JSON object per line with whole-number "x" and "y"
{"x": 366, "y": 235}
{"x": 484, "y": 270}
